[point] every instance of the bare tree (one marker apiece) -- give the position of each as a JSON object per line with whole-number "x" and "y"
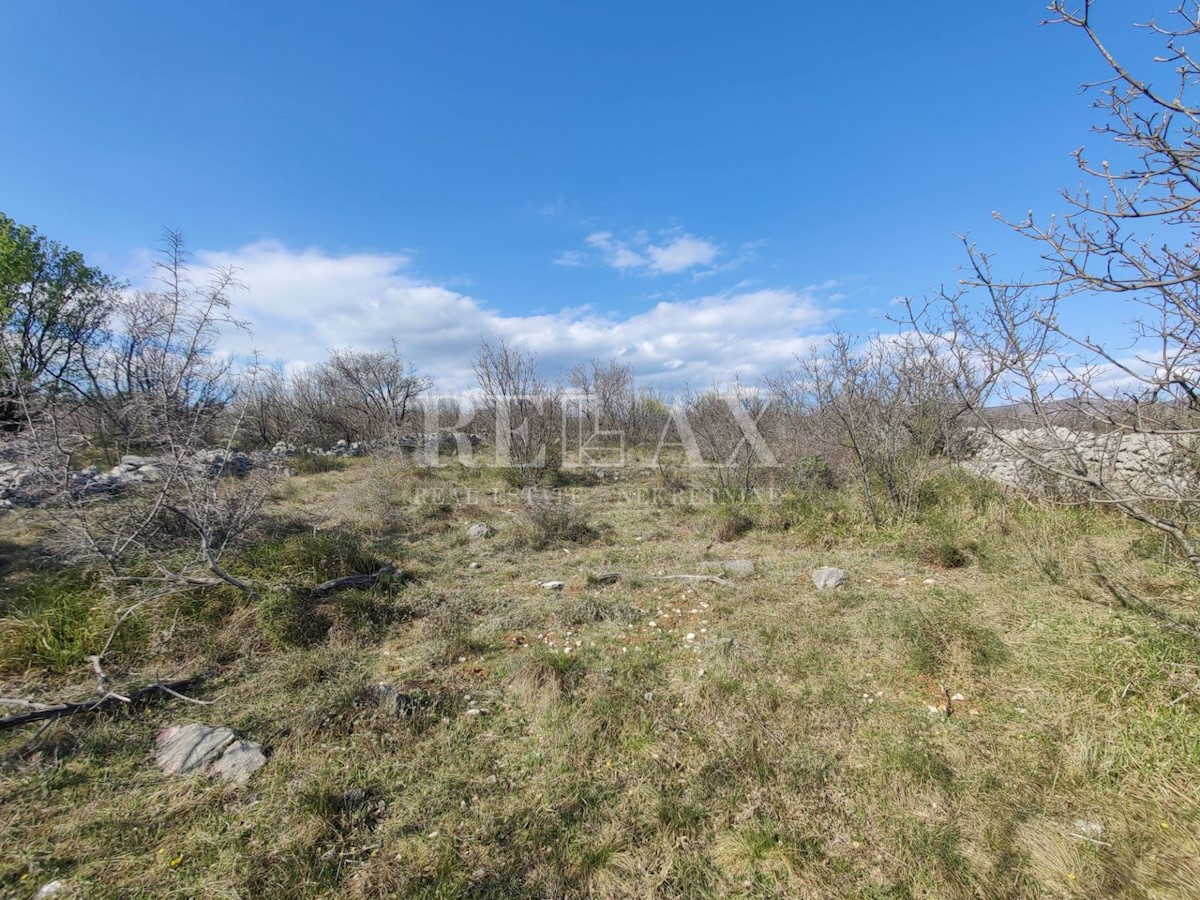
{"x": 158, "y": 385}
{"x": 609, "y": 388}
{"x": 521, "y": 409}
{"x": 272, "y": 414}
{"x": 1079, "y": 409}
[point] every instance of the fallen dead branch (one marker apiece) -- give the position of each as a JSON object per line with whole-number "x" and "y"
{"x": 59, "y": 710}
{"x": 349, "y": 581}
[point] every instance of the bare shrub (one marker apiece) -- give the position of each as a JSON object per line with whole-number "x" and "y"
{"x": 359, "y": 395}
{"x": 882, "y": 410}
{"x": 159, "y": 386}
{"x": 1059, "y": 401}
{"x": 552, "y": 520}
{"x": 724, "y": 425}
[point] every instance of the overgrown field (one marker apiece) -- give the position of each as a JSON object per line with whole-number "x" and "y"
{"x": 642, "y": 738}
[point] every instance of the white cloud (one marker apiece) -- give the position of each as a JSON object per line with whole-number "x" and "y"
{"x": 678, "y": 252}
{"x": 681, "y": 254}
{"x": 302, "y": 303}
{"x": 571, "y": 258}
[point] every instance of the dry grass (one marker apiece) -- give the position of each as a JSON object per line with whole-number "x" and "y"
{"x": 643, "y": 738}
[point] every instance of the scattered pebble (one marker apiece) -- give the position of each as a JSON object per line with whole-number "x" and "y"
{"x": 1087, "y": 828}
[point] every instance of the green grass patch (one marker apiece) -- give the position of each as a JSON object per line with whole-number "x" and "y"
{"x": 316, "y": 463}
{"x": 53, "y": 623}
{"x": 945, "y": 633}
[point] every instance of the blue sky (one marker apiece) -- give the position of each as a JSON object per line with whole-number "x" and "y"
{"x": 697, "y": 187}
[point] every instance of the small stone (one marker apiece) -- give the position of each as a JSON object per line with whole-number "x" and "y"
{"x": 829, "y": 577}
{"x": 958, "y": 698}
{"x": 553, "y": 585}
{"x": 51, "y": 889}
{"x": 478, "y": 531}
{"x": 477, "y": 565}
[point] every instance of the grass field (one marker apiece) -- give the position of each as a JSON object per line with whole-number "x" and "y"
{"x": 973, "y": 715}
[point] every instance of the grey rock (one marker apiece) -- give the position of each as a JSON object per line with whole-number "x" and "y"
{"x": 728, "y": 567}
{"x": 186, "y": 748}
{"x": 829, "y": 577}
{"x": 478, "y": 531}
{"x": 407, "y": 701}
{"x": 240, "y": 760}
{"x": 553, "y": 585}
{"x": 183, "y": 749}
{"x": 133, "y": 462}
{"x": 55, "y": 888}
{"x": 222, "y": 462}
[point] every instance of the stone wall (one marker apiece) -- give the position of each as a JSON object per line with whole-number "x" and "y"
{"x": 1141, "y": 463}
